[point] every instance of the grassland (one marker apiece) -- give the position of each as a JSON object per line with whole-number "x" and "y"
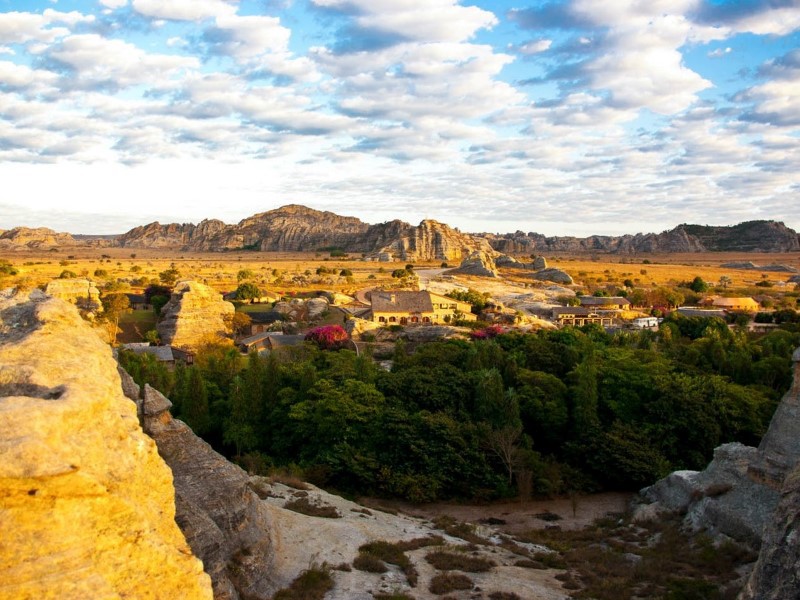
{"x": 293, "y": 273}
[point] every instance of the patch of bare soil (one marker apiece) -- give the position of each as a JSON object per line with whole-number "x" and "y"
{"x": 516, "y": 517}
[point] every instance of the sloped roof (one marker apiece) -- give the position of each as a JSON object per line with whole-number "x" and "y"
{"x": 603, "y": 300}
{"x": 402, "y": 301}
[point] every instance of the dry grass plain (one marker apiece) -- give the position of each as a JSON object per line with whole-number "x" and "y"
{"x": 288, "y": 273}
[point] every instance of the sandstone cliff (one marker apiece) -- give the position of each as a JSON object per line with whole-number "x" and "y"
{"x": 194, "y": 313}
{"x": 296, "y": 228}
{"x": 86, "y": 503}
{"x": 39, "y": 237}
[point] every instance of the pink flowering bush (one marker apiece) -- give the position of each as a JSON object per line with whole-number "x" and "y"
{"x": 328, "y": 337}
{"x": 487, "y": 333}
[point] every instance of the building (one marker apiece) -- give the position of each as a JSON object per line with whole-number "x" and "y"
{"x": 579, "y": 315}
{"x": 139, "y": 302}
{"x": 269, "y": 342}
{"x": 605, "y": 302}
{"x": 734, "y": 304}
{"x": 411, "y": 308}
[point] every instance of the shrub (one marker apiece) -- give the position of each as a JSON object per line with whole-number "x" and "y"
{"x": 369, "y": 564}
{"x": 328, "y": 337}
{"x": 304, "y": 506}
{"x": 311, "y": 584}
{"x": 450, "y": 561}
{"x": 449, "y": 582}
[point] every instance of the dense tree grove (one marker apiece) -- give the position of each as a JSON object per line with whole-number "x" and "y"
{"x": 542, "y": 413}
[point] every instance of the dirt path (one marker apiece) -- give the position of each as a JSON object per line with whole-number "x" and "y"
{"x": 519, "y": 517}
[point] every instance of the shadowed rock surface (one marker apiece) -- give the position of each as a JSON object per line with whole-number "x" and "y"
{"x": 86, "y": 504}
{"x": 479, "y": 264}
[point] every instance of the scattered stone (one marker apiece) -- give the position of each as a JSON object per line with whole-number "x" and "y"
{"x": 504, "y": 260}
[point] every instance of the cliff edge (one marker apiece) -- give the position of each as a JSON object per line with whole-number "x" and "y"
{"x": 86, "y": 503}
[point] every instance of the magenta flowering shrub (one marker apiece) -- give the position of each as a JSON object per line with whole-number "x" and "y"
{"x": 328, "y": 337}
{"x": 487, "y": 333}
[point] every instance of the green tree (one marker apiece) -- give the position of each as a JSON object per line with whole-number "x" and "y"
{"x": 195, "y": 408}
{"x": 114, "y": 305}
{"x": 169, "y": 276}
{"x": 248, "y": 291}
{"x": 698, "y": 285}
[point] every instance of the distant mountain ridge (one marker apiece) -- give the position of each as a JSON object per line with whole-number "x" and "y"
{"x": 296, "y": 228}
{"x": 750, "y": 236}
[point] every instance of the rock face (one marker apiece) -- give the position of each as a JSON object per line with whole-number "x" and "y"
{"x": 86, "y": 503}
{"x": 478, "y": 263}
{"x": 738, "y": 492}
{"x": 39, "y": 237}
{"x": 194, "y": 312}
{"x": 777, "y": 572}
{"x": 81, "y": 292}
{"x": 750, "y": 236}
{"x": 296, "y": 228}
{"x": 224, "y": 522}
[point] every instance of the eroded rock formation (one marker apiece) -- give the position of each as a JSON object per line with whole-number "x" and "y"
{"x": 39, "y": 237}
{"x": 86, "y": 503}
{"x": 81, "y": 292}
{"x": 554, "y": 275}
{"x": 478, "y": 263}
{"x": 194, "y": 314}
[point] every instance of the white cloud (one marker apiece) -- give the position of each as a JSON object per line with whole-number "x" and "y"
{"x": 7, "y": 50}
{"x": 114, "y": 4}
{"x": 184, "y": 10}
{"x": 719, "y": 52}
{"x": 98, "y": 61}
{"x": 640, "y": 64}
{"x": 535, "y": 47}
{"x": 433, "y": 20}
{"x": 19, "y": 27}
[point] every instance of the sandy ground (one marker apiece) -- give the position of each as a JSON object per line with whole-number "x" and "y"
{"x": 524, "y": 516}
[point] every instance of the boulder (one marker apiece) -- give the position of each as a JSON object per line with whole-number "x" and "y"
{"x": 478, "y": 263}
{"x": 554, "y": 275}
{"x": 194, "y": 315}
{"x": 539, "y": 263}
{"x": 504, "y": 260}
{"x": 316, "y": 308}
{"x": 87, "y": 504}
{"x": 356, "y": 327}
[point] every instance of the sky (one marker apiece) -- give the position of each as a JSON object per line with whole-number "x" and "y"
{"x": 563, "y": 117}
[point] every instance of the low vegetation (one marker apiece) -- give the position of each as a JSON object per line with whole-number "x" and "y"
{"x": 449, "y": 582}
{"x": 443, "y": 560}
{"x": 311, "y": 584}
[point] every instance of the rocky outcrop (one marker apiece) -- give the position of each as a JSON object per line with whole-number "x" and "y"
{"x": 776, "y": 575}
{"x": 86, "y": 503}
{"x": 224, "y": 522}
{"x": 750, "y": 236}
{"x": 39, "y": 237}
{"x": 539, "y": 263}
{"x": 554, "y": 275}
{"x": 295, "y": 228}
{"x": 737, "y": 494}
{"x": 479, "y": 264}
{"x": 194, "y": 315}
{"x": 81, "y": 292}
{"x": 750, "y": 266}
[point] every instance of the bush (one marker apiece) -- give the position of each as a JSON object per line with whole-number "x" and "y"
{"x": 304, "y": 506}
{"x": 449, "y": 582}
{"x": 328, "y": 337}
{"x": 455, "y": 561}
{"x": 311, "y": 584}
{"x": 369, "y": 564}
